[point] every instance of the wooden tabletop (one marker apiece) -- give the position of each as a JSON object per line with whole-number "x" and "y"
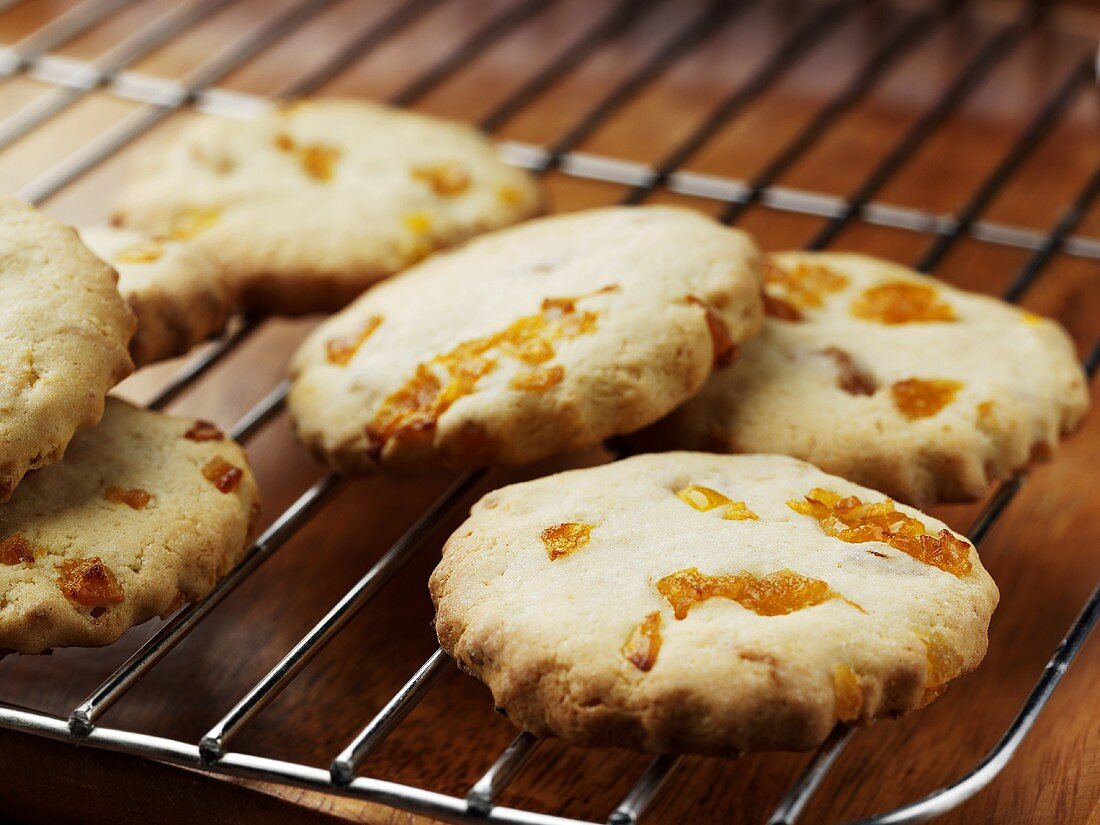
{"x": 1044, "y": 553}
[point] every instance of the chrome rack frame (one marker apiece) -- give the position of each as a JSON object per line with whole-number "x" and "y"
{"x": 72, "y": 80}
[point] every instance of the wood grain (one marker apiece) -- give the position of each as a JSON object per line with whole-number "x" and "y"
{"x": 1043, "y": 553}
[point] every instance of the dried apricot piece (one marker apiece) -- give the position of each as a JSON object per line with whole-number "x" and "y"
{"x": 739, "y": 511}
{"x": 803, "y": 286}
{"x": 135, "y": 499}
{"x": 539, "y": 380}
{"x": 142, "y": 252}
{"x": 923, "y": 397}
{"x": 644, "y": 643}
{"x": 850, "y": 376}
{"x": 204, "y": 431}
{"x": 725, "y": 351}
{"x": 341, "y": 350}
{"x": 418, "y": 222}
{"x": 192, "y": 220}
{"x": 222, "y": 474}
{"x": 776, "y": 594}
{"x": 848, "y": 692}
{"x": 776, "y": 307}
{"x": 565, "y": 538}
{"x": 445, "y": 179}
{"x": 509, "y": 195}
{"x": 16, "y": 550}
{"x": 704, "y": 499}
{"x": 852, "y": 521}
{"x": 901, "y": 302}
{"x": 317, "y": 160}
{"x": 944, "y": 664}
{"x": 88, "y": 582}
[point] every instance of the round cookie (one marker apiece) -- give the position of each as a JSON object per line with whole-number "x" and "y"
{"x": 306, "y": 205}
{"x": 889, "y": 378}
{"x": 65, "y": 331}
{"x": 145, "y": 513}
{"x": 689, "y": 602}
{"x": 175, "y": 290}
{"x": 542, "y": 338}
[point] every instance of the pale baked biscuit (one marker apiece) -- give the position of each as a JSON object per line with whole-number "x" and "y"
{"x": 175, "y": 290}
{"x": 306, "y": 205}
{"x": 890, "y": 379}
{"x": 145, "y": 513}
{"x": 545, "y": 337}
{"x": 705, "y": 603}
{"x": 63, "y": 342}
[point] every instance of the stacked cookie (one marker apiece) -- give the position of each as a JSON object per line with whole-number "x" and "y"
{"x": 750, "y": 596}
{"x": 110, "y": 515}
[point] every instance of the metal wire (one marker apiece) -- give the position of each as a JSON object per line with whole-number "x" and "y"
{"x": 480, "y": 802}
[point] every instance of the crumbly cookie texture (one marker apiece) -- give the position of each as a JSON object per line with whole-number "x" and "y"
{"x": 888, "y": 378}
{"x": 689, "y": 602}
{"x": 305, "y": 206}
{"x": 542, "y": 338}
{"x": 65, "y": 331}
{"x": 145, "y": 513}
{"x": 174, "y": 288}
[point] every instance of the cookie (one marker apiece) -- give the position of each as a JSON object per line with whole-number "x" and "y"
{"x": 305, "y": 206}
{"x": 889, "y": 378}
{"x": 689, "y": 602}
{"x": 145, "y": 513}
{"x": 65, "y": 331}
{"x": 542, "y": 338}
{"x": 174, "y": 289}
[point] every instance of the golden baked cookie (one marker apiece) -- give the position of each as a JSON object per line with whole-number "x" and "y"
{"x": 65, "y": 332}
{"x": 688, "y": 602}
{"x": 306, "y": 205}
{"x": 145, "y": 513}
{"x": 888, "y": 378}
{"x": 545, "y": 337}
{"x": 175, "y": 290}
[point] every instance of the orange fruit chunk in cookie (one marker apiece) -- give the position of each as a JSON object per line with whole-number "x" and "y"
{"x": 704, "y": 499}
{"x": 316, "y": 159}
{"x": 852, "y": 521}
{"x": 944, "y": 664}
{"x": 565, "y": 538}
{"x": 773, "y": 595}
{"x": 923, "y": 397}
{"x": 848, "y": 692}
{"x": 509, "y": 195}
{"x": 88, "y": 582}
{"x": 739, "y": 511}
{"x": 341, "y": 350}
{"x": 418, "y": 222}
{"x": 16, "y": 550}
{"x": 901, "y": 302}
{"x": 644, "y": 643}
{"x": 204, "y": 431}
{"x": 134, "y": 499}
{"x": 191, "y": 221}
{"x": 445, "y": 179}
{"x": 222, "y": 474}
{"x": 143, "y": 252}
{"x": 725, "y": 351}
{"x": 539, "y": 380}
{"x": 803, "y": 286}
{"x": 776, "y": 307}
{"x": 850, "y": 377}
{"x": 417, "y": 405}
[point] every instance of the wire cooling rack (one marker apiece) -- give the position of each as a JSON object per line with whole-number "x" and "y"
{"x": 71, "y": 80}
